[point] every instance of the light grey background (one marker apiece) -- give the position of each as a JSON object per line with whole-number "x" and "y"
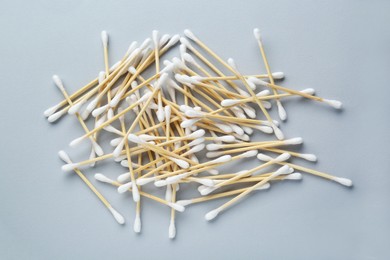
{"x": 340, "y": 48}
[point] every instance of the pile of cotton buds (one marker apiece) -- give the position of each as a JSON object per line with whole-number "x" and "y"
{"x": 161, "y": 125}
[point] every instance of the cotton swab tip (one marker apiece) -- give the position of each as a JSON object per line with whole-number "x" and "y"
{"x": 343, "y": 181}
{"x": 278, "y": 75}
{"x": 69, "y": 167}
{"x": 118, "y": 217}
{"x": 172, "y": 230}
{"x": 104, "y": 36}
{"x": 125, "y": 187}
{"x": 100, "y": 177}
{"x": 211, "y": 215}
{"x": 308, "y": 157}
{"x": 334, "y": 103}
{"x": 64, "y": 156}
{"x": 176, "y": 206}
{"x": 190, "y": 34}
{"x": 294, "y": 176}
{"x": 137, "y": 224}
{"x": 256, "y": 33}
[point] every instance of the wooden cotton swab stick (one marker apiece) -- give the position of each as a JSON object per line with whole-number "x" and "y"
{"x": 118, "y": 217}
{"x": 177, "y": 207}
{"x": 343, "y": 181}
{"x": 212, "y": 214}
{"x": 281, "y": 110}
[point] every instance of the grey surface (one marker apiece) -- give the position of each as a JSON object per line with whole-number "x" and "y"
{"x": 341, "y": 48}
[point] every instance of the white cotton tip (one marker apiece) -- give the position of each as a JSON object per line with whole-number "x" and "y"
{"x": 137, "y": 224}
{"x": 260, "y": 82}
{"x": 144, "y": 181}
{"x": 293, "y": 141}
{"x": 160, "y": 183}
{"x": 266, "y": 104}
{"x": 211, "y": 215}
{"x": 132, "y": 70}
{"x": 190, "y": 35}
{"x": 101, "y": 77}
{"x": 196, "y": 149}
{"x": 256, "y": 33}
{"x": 283, "y": 157}
{"x": 189, "y": 122}
{"x": 249, "y": 154}
{"x": 230, "y": 102}
{"x": 145, "y": 44}
{"x": 213, "y": 171}
{"x": 334, "y": 103}
{"x": 102, "y": 178}
{"x": 278, "y": 75}
{"x": 118, "y": 150}
{"x": 123, "y": 177}
{"x": 112, "y": 129}
{"x": 343, "y": 181}
{"x": 176, "y": 206}
{"x": 243, "y": 92}
{"x": 104, "y": 36}
{"x": 118, "y": 217}
{"x": 75, "y": 108}
{"x": 282, "y": 170}
{"x": 194, "y": 158}
{"x": 51, "y": 110}
{"x": 213, "y": 154}
{"x": 238, "y": 112}
{"x": 161, "y": 81}
{"x": 308, "y": 156}
{"x": 213, "y": 147}
{"x": 207, "y": 190}
{"x": 100, "y": 110}
{"x": 175, "y": 38}
{"x": 172, "y": 230}
{"x": 76, "y": 141}
{"x": 125, "y": 187}
{"x": 92, "y": 155}
{"x": 188, "y": 58}
{"x": 232, "y": 63}
{"x": 244, "y": 137}
{"x": 164, "y": 39}
{"x": 176, "y": 178}
{"x": 183, "y": 202}
{"x": 238, "y": 130}
{"x": 168, "y": 112}
{"x": 110, "y": 114}
{"x": 54, "y": 117}
{"x": 222, "y": 159}
{"x": 248, "y": 130}
{"x": 281, "y": 111}
{"x": 135, "y": 192}
{"x": 92, "y": 105}
{"x": 225, "y": 128}
{"x": 196, "y": 142}
{"x": 249, "y": 111}
{"x": 69, "y": 167}
{"x": 294, "y": 176}
{"x": 64, "y": 156}
{"x": 58, "y": 82}
{"x": 147, "y": 138}
{"x": 155, "y": 37}
{"x": 160, "y": 114}
{"x": 115, "y": 100}
{"x": 225, "y": 138}
{"x": 265, "y": 186}
{"x": 206, "y": 182}
{"x": 135, "y": 139}
{"x": 181, "y": 163}
{"x": 197, "y": 134}
{"x": 194, "y": 113}
{"x": 278, "y": 133}
{"x": 264, "y": 157}
{"x": 265, "y": 129}
{"x": 251, "y": 84}
{"x": 263, "y": 93}
{"x": 116, "y": 141}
